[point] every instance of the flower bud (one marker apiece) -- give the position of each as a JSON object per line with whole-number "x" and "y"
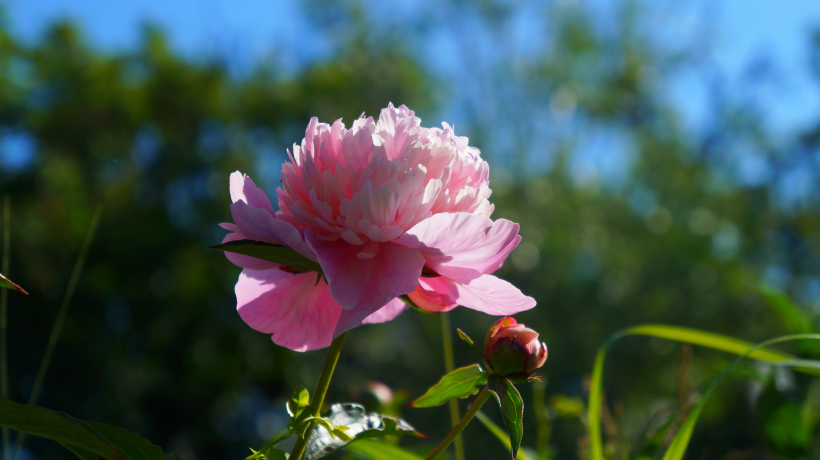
{"x": 510, "y": 348}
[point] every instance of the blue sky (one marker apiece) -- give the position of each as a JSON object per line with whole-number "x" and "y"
{"x": 742, "y": 34}
{"x": 743, "y": 31}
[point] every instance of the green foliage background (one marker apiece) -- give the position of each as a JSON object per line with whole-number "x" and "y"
{"x": 152, "y": 342}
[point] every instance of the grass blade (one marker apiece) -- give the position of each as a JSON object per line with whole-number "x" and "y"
{"x": 680, "y": 334}
{"x": 58, "y": 324}
{"x": 4, "y": 303}
{"x": 500, "y": 434}
{"x": 680, "y": 443}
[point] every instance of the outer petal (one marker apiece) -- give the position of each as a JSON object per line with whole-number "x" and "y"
{"x": 300, "y": 314}
{"x": 246, "y": 261}
{"x": 462, "y": 246}
{"x": 243, "y": 189}
{"x": 487, "y": 294}
{"x": 366, "y": 285}
{"x": 435, "y": 294}
{"x": 258, "y": 224}
{"x": 386, "y": 313}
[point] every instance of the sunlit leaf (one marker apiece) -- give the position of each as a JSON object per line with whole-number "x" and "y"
{"x": 9, "y": 284}
{"x": 298, "y": 402}
{"x": 512, "y": 409}
{"x": 460, "y": 383}
{"x": 272, "y": 253}
{"x": 680, "y": 334}
{"x": 83, "y": 438}
{"x": 358, "y": 425}
{"x": 377, "y": 450}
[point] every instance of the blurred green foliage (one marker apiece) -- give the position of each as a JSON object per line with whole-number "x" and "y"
{"x": 152, "y": 342}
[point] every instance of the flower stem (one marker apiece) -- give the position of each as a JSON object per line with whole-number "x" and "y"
{"x": 449, "y": 366}
{"x": 58, "y": 324}
{"x": 319, "y": 394}
{"x": 4, "y": 302}
{"x": 479, "y": 401}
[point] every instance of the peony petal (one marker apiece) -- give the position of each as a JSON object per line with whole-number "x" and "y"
{"x": 366, "y": 285}
{"x": 435, "y": 294}
{"x": 246, "y": 261}
{"x": 462, "y": 246}
{"x": 486, "y": 293}
{"x": 493, "y": 296}
{"x": 243, "y": 189}
{"x": 259, "y": 225}
{"x": 300, "y": 314}
{"x": 386, "y": 313}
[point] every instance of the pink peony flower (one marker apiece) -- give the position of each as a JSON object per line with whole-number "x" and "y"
{"x": 374, "y": 205}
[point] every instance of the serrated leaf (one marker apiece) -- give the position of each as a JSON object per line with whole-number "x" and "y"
{"x": 512, "y": 408}
{"x": 359, "y": 425}
{"x": 272, "y": 253}
{"x": 9, "y": 284}
{"x": 83, "y": 438}
{"x": 460, "y": 383}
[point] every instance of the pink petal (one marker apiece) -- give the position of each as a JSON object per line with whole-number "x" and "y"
{"x": 246, "y": 261}
{"x": 259, "y": 225}
{"x": 462, "y": 246}
{"x": 435, "y": 294}
{"x": 386, "y": 313}
{"x": 486, "y": 293}
{"x": 300, "y": 314}
{"x": 358, "y": 316}
{"x": 366, "y": 285}
{"x": 243, "y": 189}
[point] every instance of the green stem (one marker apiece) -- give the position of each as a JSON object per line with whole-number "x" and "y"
{"x": 58, "y": 324}
{"x": 456, "y": 431}
{"x": 4, "y": 302}
{"x": 449, "y": 366}
{"x": 319, "y": 394}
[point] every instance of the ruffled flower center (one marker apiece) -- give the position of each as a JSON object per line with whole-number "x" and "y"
{"x": 371, "y": 183}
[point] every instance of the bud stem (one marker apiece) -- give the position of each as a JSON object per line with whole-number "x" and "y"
{"x": 475, "y": 407}
{"x": 319, "y": 394}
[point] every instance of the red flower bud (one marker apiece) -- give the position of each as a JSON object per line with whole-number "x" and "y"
{"x": 510, "y": 348}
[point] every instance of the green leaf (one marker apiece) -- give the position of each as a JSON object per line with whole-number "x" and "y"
{"x": 500, "y": 434}
{"x": 680, "y": 334}
{"x": 377, "y": 450}
{"x": 512, "y": 408}
{"x": 795, "y": 319}
{"x": 9, "y": 284}
{"x": 272, "y": 253}
{"x": 299, "y": 401}
{"x": 356, "y": 425}
{"x": 85, "y": 439}
{"x": 677, "y": 448}
{"x": 460, "y": 383}
{"x": 268, "y": 453}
